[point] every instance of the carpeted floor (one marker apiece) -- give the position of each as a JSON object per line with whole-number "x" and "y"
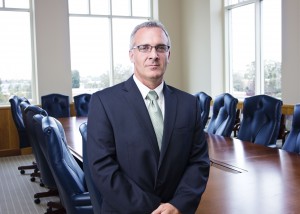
{"x": 16, "y": 190}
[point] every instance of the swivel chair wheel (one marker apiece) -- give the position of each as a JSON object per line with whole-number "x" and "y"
{"x": 22, "y": 171}
{"x": 36, "y": 170}
{"x": 49, "y": 210}
{"x": 37, "y": 201}
{"x": 32, "y": 179}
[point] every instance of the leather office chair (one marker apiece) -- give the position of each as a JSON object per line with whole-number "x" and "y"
{"x": 95, "y": 195}
{"x": 56, "y": 105}
{"x": 81, "y": 103}
{"x": 68, "y": 175}
{"x": 292, "y": 142}
{"x": 261, "y": 120}
{"x": 223, "y": 115}
{"x": 36, "y": 173}
{"x": 44, "y": 169}
{"x": 16, "y": 112}
{"x": 204, "y": 100}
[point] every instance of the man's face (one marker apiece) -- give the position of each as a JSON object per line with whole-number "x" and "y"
{"x": 150, "y": 66}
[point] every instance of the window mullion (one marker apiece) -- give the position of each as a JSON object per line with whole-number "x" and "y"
{"x": 34, "y": 79}
{"x": 228, "y": 56}
{"x": 240, "y": 4}
{"x": 111, "y": 70}
{"x": 130, "y": 7}
{"x": 258, "y": 59}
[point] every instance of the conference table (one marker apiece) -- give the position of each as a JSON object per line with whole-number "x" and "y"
{"x": 73, "y": 136}
{"x": 244, "y": 177}
{"x": 250, "y": 178}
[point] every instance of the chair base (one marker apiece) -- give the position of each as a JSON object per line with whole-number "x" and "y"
{"x": 59, "y": 209}
{"x": 51, "y": 192}
{"x": 33, "y": 166}
{"x": 35, "y": 175}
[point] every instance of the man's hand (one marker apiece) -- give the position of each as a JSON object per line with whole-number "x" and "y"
{"x": 166, "y": 208}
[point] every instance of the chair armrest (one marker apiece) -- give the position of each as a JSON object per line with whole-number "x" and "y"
{"x": 82, "y": 199}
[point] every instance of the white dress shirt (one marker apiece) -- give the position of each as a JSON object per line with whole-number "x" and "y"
{"x": 159, "y": 90}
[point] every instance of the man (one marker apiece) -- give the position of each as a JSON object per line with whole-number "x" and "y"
{"x": 138, "y": 165}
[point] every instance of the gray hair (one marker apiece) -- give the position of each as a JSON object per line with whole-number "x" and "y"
{"x": 148, "y": 24}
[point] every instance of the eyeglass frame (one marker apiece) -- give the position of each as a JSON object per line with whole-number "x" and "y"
{"x": 151, "y": 47}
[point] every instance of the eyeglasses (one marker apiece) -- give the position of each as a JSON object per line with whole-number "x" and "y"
{"x": 148, "y": 48}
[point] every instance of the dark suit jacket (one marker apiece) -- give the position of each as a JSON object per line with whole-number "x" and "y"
{"x": 127, "y": 167}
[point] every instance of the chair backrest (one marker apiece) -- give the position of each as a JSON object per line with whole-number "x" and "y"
{"x": 261, "y": 120}
{"x": 292, "y": 142}
{"x": 45, "y": 172}
{"x": 81, "y": 103}
{"x": 94, "y": 193}
{"x": 23, "y": 106}
{"x": 56, "y": 105}
{"x": 204, "y": 101}
{"x": 223, "y": 115}
{"x": 68, "y": 175}
{"x": 17, "y": 116}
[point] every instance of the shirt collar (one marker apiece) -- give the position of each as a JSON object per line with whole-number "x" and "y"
{"x": 144, "y": 89}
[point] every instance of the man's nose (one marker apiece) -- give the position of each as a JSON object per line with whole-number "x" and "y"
{"x": 153, "y": 53}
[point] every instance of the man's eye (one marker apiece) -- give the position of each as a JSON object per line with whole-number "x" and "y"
{"x": 143, "y": 47}
{"x": 161, "y": 48}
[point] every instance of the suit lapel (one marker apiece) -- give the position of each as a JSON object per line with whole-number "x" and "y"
{"x": 137, "y": 103}
{"x": 169, "y": 120}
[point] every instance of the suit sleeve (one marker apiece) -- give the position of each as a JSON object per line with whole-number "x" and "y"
{"x": 195, "y": 177}
{"x": 119, "y": 192}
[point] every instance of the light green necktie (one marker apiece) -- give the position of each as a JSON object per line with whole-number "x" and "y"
{"x": 156, "y": 116}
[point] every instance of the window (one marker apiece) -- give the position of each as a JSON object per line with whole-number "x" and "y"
{"x": 253, "y": 47}
{"x": 99, "y": 41}
{"x": 16, "y": 59}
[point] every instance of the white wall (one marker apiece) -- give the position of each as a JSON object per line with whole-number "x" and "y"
{"x": 291, "y": 51}
{"x": 171, "y": 18}
{"x": 53, "y": 65}
{"x": 196, "y": 30}
{"x": 217, "y": 58}
{"x": 196, "y": 43}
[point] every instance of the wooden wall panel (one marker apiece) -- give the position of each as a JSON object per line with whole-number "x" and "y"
{"x": 286, "y": 109}
{"x": 9, "y": 139}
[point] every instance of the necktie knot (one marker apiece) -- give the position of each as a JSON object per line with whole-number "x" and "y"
{"x": 152, "y": 95}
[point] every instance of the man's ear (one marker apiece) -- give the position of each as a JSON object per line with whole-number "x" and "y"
{"x": 131, "y": 56}
{"x": 169, "y": 54}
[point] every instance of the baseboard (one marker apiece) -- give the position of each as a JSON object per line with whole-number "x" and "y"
{"x": 26, "y": 151}
{"x": 10, "y": 152}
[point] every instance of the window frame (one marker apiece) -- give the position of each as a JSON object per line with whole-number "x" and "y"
{"x": 259, "y": 61}
{"x": 29, "y": 10}
{"x": 110, "y": 18}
